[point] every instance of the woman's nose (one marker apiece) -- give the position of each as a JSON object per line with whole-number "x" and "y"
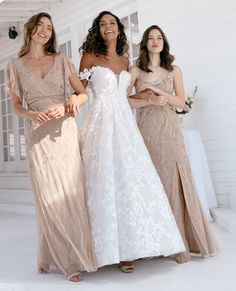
{"x": 43, "y": 28}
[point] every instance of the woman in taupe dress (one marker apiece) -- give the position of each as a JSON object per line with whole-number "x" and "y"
{"x": 39, "y": 77}
{"x": 160, "y": 91}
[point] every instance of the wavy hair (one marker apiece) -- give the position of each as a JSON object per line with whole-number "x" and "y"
{"x": 95, "y": 44}
{"x": 165, "y": 56}
{"x": 30, "y": 28}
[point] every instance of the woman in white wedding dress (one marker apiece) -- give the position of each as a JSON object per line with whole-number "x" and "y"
{"x": 129, "y": 212}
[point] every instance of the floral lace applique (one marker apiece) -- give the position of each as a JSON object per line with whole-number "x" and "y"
{"x": 86, "y": 73}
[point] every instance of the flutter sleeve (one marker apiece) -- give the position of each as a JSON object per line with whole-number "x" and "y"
{"x": 12, "y": 80}
{"x": 69, "y": 69}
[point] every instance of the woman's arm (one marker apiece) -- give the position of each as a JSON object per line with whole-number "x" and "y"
{"x": 76, "y": 101}
{"x": 134, "y": 100}
{"x": 38, "y": 117}
{"x": 177, "y": 100}
{"x": 80, "y": 97}
{"x": 86, "y": 62}
{"x": 134, "y": 72}
{"x": 138, "y": 99}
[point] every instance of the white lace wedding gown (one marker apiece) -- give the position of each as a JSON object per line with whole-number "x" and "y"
{"x": 129, "y": 212}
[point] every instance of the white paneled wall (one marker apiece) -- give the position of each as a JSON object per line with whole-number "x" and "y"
{"x": 203, "y": 39}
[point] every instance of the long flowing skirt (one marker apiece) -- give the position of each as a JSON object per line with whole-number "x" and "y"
{"x": 161, "y": 131}
{"x": 58, "y": 185}
{"x": 128, "y": 208}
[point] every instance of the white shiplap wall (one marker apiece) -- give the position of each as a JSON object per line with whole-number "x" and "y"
{"x": 201, "y": 35}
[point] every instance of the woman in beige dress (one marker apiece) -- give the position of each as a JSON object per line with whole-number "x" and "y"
{"x": 160, "y": 91}
{"x": 40, "y": 77}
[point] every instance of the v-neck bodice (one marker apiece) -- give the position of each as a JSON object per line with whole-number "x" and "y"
{"x": 165, "y": 84}
{"x": 41, "y": 93}
{"x": 34, "y": 74}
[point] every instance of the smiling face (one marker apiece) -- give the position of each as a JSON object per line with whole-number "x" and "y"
{"x": 43, "y": 31}
{"x": 108, "y": 28}
{"x": 155, "y": 41}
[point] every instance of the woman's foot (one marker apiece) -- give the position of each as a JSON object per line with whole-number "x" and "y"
{"x": 183, "y": 258}
{"x": 43, "y": 270}
{"x": 126, "y": 267}
{"x": 76, "y": 277}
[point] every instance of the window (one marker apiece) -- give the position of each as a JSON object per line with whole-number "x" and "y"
{"x": 12, "y": 134}
{"x": 7, "y": 117}
{"x": 65, "y": 49}
{"x": 21, "y": 128}
{"x": 132, "y": 32}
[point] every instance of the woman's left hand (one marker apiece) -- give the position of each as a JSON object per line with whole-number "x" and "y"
{"x": 71, "y": 105}
{"x": 56, "y": 112}
{"x": 186, "y": 108}
{"x": 146, "y": 94}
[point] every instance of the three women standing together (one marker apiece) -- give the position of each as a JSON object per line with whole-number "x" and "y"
{"x": 125, "y": 214}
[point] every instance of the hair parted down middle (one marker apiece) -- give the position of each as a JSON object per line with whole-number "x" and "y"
{"x": 94, "y": 43}
{"x": 165, "y": 57}
{"x": 30, "y": 28}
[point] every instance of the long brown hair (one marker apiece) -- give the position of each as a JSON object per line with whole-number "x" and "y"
{"x": 30, "y": 28}
{"x": 165, "y": 56}
{"x": 94, "y": 44}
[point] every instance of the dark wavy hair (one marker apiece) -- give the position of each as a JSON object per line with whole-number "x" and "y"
{"x": 30, "y": 28}
{"x": 165, "y": 56}
{"x": 94, "y": 43}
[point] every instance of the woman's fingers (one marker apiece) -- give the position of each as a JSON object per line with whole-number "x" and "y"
{"x": 52, "y": 113}
{"x": 57, "y": 112}
{"x": 74, "y": 109}
{"x": 68, "y": 108}
{"x": 163, "y": 100}
{"x": 42, "y": 117}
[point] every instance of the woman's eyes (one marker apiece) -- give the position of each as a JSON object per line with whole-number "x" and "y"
{"x": 159, "y": 38}
{"x": 48, "y": 27}
{"x": 103, "y": 24}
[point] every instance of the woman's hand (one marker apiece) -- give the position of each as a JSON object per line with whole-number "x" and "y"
{"x": 38, "y": 117}
{"x": 145, "y": 94}
{"x": 56, "y": 112}
{"x": 71, "y": 105}
{"x": 147, "y": 87}
{"x": 158, "y": 100}
{"x": 155, "y": 95}
{"x": 186, "y": 108}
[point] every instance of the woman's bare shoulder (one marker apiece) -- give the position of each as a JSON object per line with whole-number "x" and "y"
{"x": 176, "y": 69}
{"x": 135, "y": 70}
{"x": 87, "y": 61}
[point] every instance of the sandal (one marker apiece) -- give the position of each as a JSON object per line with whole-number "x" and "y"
{"x": 75, "y": 277}
{"x": 126, "y": 267}
{"x": 182, "y": 258}
{"x": 43, "y": 269}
